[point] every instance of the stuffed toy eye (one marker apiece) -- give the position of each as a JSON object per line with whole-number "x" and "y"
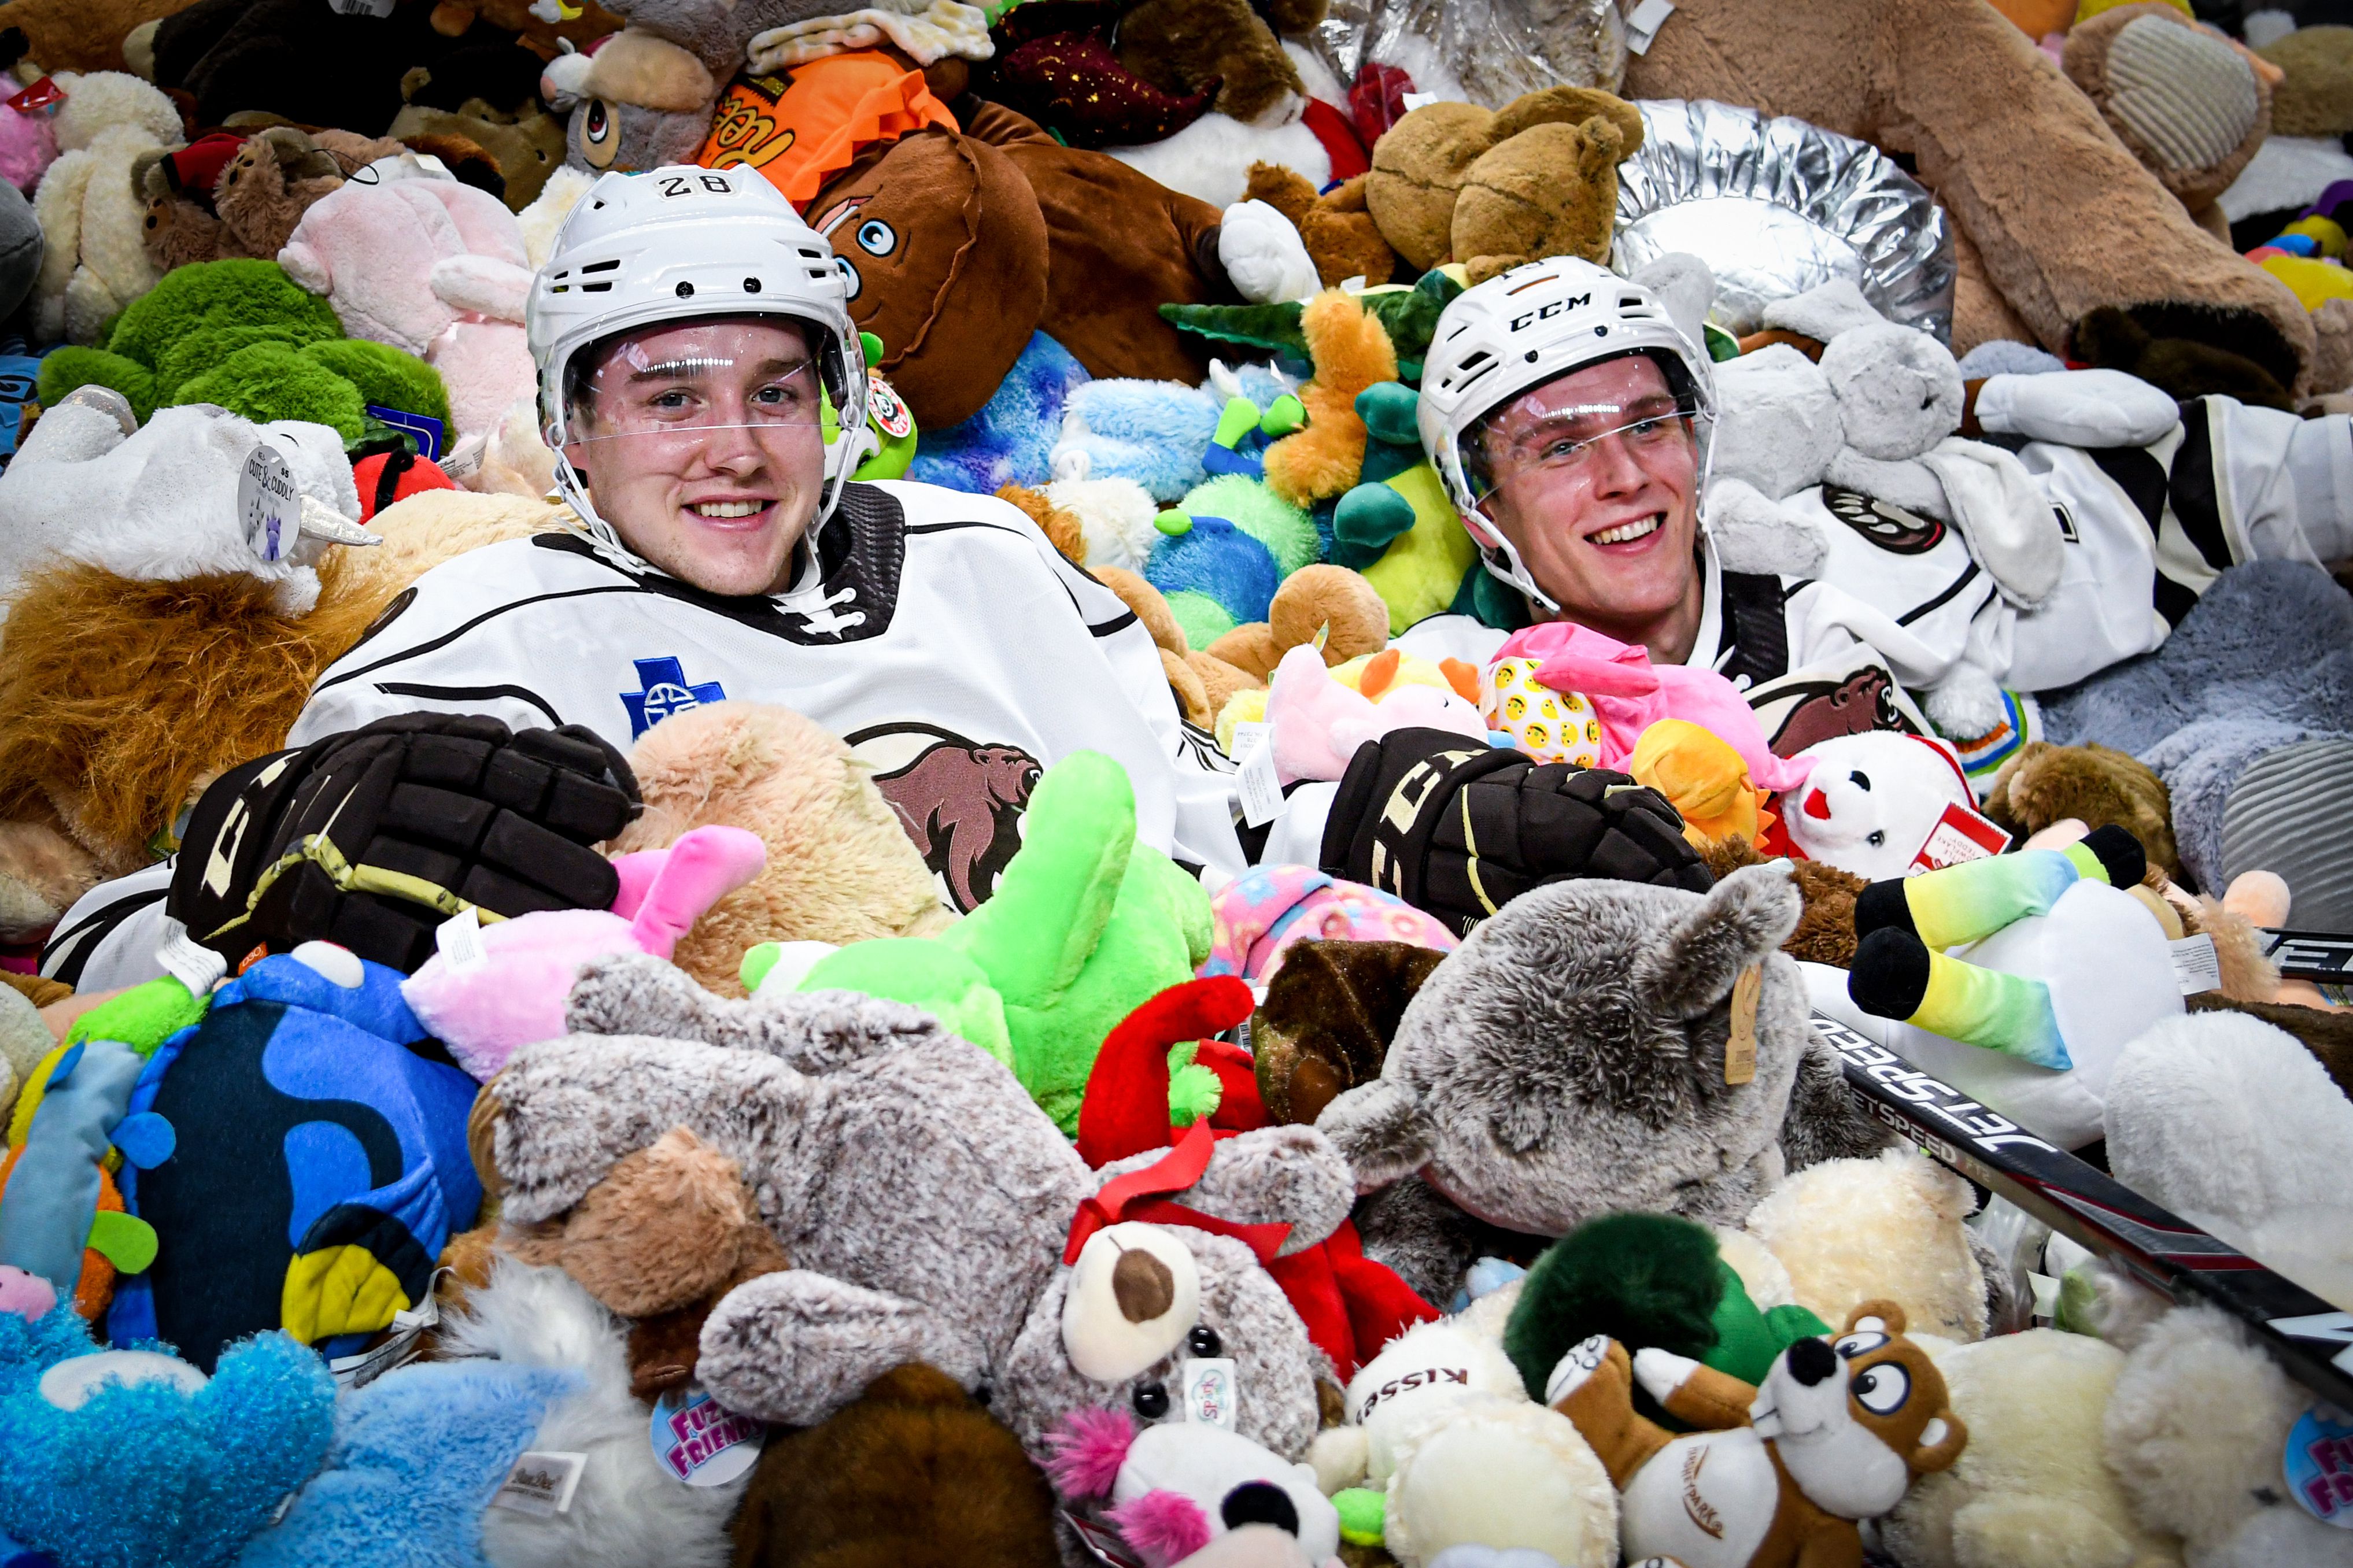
{"x": 850, "y": 278}
{"x": 1204, "y": 1341}
{"x": 1878, "y": 837}
{"x": 1853, "y": 1345}
{"x": 1151, "y": 1400}
{"x": 600, "y": 134}
{"x": 876, "y": 238}
{"x": 1881, "y": 1389}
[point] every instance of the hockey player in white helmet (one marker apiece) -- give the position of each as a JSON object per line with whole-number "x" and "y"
{"x": 687, "y": 329}
{"x": 1571, "y": 419}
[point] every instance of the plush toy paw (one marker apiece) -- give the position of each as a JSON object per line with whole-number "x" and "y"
{"x": 1662, "y": 1372}
{"x": 1579, "y": 1363}
{"x": 1265, "y": 255}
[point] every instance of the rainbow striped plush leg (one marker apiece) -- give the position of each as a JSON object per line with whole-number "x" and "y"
{"x": 1962, "y": 903}
{"x": 1895, "y": 975}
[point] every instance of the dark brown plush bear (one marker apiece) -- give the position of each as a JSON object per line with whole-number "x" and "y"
{"x": 914, "y": 1475}
{"x": 2095, "y": 785}
{"x": 1327, "y": 1019}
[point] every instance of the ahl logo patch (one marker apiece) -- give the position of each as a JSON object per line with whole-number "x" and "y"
{"x": 663, "y": 690}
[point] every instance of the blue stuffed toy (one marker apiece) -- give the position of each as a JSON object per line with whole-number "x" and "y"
{"x": 133, "y": 1459}
{"x": 1157, "y": 433}
{"x": 320, "y": 1164}
{"x": 1011, "y": 441}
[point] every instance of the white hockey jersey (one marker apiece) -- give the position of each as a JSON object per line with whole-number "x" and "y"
{"x": 938, "y": 633}
{"x": 1899, "y": 603}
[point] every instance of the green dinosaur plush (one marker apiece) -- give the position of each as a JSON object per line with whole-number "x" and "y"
{"x": 240, "y": 334}
{"x": 1085, "y": 924}
{"x": 1410, "y": 314}
{"x": 1396, "y": 525}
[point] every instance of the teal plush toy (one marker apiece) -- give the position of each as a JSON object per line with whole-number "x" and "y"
{"x": 132, "y": 1455}
{"x": 241, "y": 334}
{"x": 1085, "y": 924}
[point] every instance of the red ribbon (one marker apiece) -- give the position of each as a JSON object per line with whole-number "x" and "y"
{"x": 1137, "y": 1196}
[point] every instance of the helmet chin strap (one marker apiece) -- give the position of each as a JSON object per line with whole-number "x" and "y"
{"x": 1513, "y": 571}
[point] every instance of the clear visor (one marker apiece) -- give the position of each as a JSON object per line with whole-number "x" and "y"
{"x": 680, "y": 384}
{"x": 1558, "y": 429}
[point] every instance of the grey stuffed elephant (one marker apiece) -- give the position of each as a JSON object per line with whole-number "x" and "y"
{"x": 1571, "y": 1059}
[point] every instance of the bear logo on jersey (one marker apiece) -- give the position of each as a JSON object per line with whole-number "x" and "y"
{"x": 959, "y": 800}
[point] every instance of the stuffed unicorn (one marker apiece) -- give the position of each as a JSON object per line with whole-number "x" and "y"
{"x": 515, "y": 995}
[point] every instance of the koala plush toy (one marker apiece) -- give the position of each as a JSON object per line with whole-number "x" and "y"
{"x": 926, "y": 1210}
{"x": 1594, "y": 1048}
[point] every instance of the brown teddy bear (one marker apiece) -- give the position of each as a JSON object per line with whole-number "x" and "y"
{"x": 1183, "y": 47}
{"x": 1338, "y": 228}
{"x": 2052, "y": 215}
{"x": 840, "y": 867}
{"x": 1319, "y": 601}
{"x": 81, "y": 35}
{"x": 1494, "y": 189}
{"x": 2190, "y": 106}
{"x": 526, "y": 144}
{"x": 1825, "y": 932}
{"x": 916, "y": 1474}
{"x": 248, "y": 209}
{"x": 1329, "y": 1014}
{"x": 2095, "y": 785}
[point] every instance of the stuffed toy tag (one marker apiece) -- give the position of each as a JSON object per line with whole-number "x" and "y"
{"x": 2196, "y": 967}
{"x": 1960, "y": 834}
{"x": 541, "y": 1483}
{"x": 268, "y": 504}
{"x": 1261, "y": 789}
{"x": 2319, "y": 1467}
{"x": 458, "y": 939}
{"x": 701, "y": 1442}
{"x": 886, "y": 408}
{"x": 1740, "y": 1045}
{"x": 43, "y": 95}
{"x": 1210, "y": 1393}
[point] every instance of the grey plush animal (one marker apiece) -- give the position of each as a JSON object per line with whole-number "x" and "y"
{"x": 1569, "y": 1058}
{"x": 923, "y": 1202}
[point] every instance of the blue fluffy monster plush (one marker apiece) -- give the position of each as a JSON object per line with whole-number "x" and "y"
{"x": 1011, "y": 439}
{"x": 417, "y": 1455}
{"x": 133, "y": 1459}
{"x": 1154, "y": 431}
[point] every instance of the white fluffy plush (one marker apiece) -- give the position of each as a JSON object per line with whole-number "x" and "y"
{"x": 1777, "y": 422}
{"x": 161, "y": 505}
{"x": 1852, "y": 1230}
{"x": 91, "y": 216}
{"x": 1500, "y": 1471}
{"x": 548, "y": 210}
{"x": 2235, "y": 1126}
{"x": 2031, "y": 1487}
{"x": 627, "y": 1510}
{"x": 2197, "y": 1430}
{"x": 1115, "y": 517}
{"x": 1211, "y": 158}
{"x": 1837, "y": 305}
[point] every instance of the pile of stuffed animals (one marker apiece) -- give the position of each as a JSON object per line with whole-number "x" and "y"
{"x": 778, "y": 1214}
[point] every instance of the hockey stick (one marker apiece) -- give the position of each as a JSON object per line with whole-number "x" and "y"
{"x": 2324, "y": 958}
{"x": 2312, "y": 1340}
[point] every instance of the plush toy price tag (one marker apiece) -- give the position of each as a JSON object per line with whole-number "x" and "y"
{"x": 541, "y": 1483}
{"x": 1249, "y": 734}
{"x": 1262, "y": 794}
{"x": 43, "y": 95}
{"x": 2319, "y": 1467}
{"x": 1960, "y": 834}
{"x": 459, "y": 941}
{"x": 701, "y": 1442}
{"x": 1740, "y": 1045}
{"x": 2195, "y": 967}
{"x": 268, "y": 503}
{"x": 1210, "y": 1394}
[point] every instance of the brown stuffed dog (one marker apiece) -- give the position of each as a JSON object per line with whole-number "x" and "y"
{"x": 1773, "y": 1477}
{"x": 1183, "y": 47}
{"x": 914, "y": 1475}
{"x": 1494, "y": 190}
{"x": 249, "y": 209}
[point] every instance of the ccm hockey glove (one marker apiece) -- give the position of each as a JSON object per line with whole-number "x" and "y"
{"x": 1458, "y": 830}
{"x": 371, "y": 839}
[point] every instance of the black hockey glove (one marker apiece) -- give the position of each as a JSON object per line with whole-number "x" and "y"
{"x": 1458, "y": 829}
{"x": 371, "y": 839}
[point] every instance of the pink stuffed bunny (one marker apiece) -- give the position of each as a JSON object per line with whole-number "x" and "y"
{"x": 1318, "y": 723}
{"x": 1629, "y": 693}
{"x": 483, "y": 1012}
{"x": 420, "y": 261}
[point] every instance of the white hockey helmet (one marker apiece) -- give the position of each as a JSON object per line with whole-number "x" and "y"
{"x": 684, "y": 243}
{"x": 1516, "y": 332}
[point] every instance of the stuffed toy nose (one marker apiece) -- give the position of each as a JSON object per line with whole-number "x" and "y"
{"x": 1812, "y": 1361}
{"x": 1260, "y": 1502}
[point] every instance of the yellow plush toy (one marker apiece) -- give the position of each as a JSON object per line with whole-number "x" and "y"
{"x": 1703, "y": 777}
